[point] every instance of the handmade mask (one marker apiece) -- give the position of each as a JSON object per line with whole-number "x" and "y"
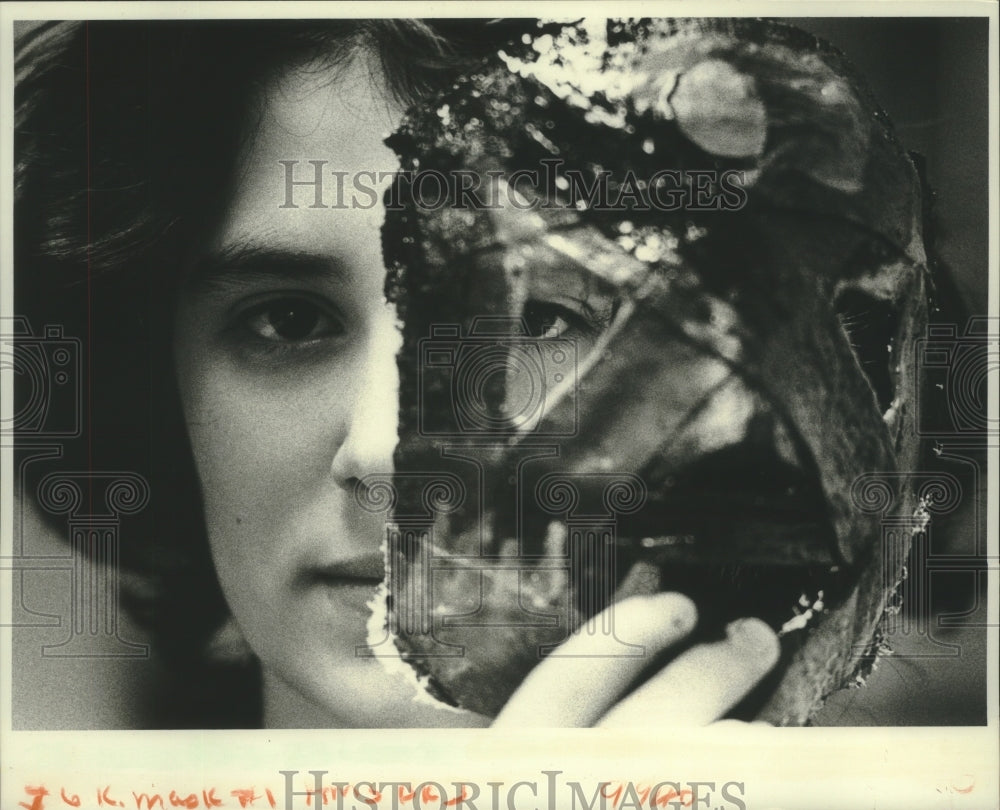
{"x": 657, "y": 283}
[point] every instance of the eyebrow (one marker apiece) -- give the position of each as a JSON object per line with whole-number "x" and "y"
{"x": 247, "y": 262}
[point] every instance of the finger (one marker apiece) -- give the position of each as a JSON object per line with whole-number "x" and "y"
{"x": 702, "y": 684}
{"x": 587, "y": 673}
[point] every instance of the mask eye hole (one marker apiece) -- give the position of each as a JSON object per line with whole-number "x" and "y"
{"x": 870, "y": 325}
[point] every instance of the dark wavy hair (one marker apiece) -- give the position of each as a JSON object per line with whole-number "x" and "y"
{"x": 127, "y": 138}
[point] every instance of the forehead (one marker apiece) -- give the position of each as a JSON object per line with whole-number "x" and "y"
{"x": 324, "y": 107}
{"x": 331, "y": 116}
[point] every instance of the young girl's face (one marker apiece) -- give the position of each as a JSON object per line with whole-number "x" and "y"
{"x": 285, "y": 356}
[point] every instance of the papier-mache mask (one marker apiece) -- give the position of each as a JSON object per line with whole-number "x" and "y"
{"x": 657, "y": 281}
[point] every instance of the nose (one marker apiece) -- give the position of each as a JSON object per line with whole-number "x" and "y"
{"x": 372, "y": 419}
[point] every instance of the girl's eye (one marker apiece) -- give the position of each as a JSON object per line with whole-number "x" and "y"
{"x": 546, "y": 319}
{"x": 291, "y": 320}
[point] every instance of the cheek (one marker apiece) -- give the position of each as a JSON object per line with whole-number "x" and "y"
{"x": 263, "y": 454}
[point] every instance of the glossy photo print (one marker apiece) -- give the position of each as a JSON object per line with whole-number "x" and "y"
{"x": 371, "y": 374}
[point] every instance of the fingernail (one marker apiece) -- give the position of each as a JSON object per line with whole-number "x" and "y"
{"x": 679, "y": 609}
{"x": 751, "y": 632}
{"x": 756, "y": 641}
{"x": 685, "y": 614}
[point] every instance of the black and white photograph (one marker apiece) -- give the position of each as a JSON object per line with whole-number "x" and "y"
{"x": 541, "y": 408}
